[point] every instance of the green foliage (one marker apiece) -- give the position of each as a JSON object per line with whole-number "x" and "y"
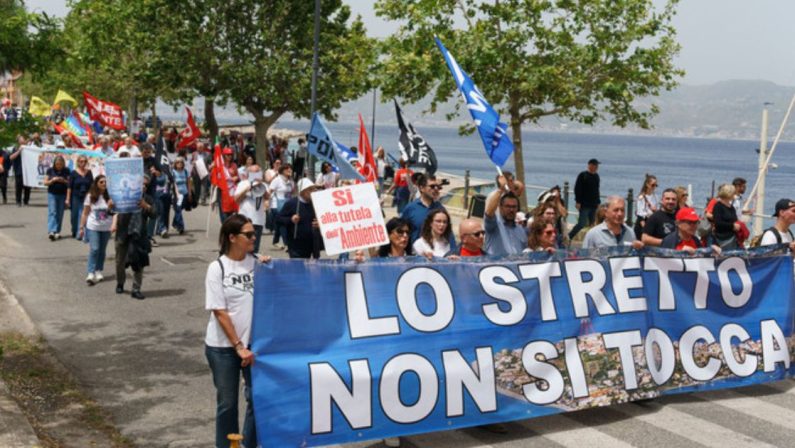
{"x": 26, "y": 124}
{"x": 28, "y": 41}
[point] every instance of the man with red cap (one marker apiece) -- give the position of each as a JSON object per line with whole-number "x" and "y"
{"x": 684, "y": 238}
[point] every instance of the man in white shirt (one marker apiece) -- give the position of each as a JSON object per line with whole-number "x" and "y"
{"x": 780, "y": 233}
{"x": 252, "y": 195}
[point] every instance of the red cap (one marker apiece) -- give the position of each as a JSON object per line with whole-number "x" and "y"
{"x": 227, "y": 151}
{"x": 687, "y": 214}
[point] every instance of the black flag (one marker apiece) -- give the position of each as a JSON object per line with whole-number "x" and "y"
{"x": 161, "y": 161}
{"x": 413, "y": 147}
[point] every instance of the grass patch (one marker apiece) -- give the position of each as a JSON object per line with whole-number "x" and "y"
{"x": 58, "y": 410}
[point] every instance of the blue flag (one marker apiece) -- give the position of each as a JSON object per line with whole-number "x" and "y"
{"x": 323, "y": 146}
{"x": 492, "y": 132}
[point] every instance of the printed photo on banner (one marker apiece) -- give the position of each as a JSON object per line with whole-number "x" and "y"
{"x": 37, "y": 160}
{"x": 350, "y": 218}
{"x": 125, "y": 183}
{"x": 401, "y": 347}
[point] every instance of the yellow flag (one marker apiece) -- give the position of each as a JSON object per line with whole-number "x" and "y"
{"x": 63, "y": 96}
{"x": 38, "y": 107}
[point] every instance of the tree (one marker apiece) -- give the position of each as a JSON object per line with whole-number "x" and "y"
{"x": 28, "y": 41}
{"x": 265, "y": 52}
{"x": 577, "y": 59}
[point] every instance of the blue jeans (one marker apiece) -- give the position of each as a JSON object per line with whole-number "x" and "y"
{"x": 55, "y": 208}
{"x": 226, "y": 369}
{"x": 586, "y": 218}
{"x": 163, "y": 207}
{"x": 75, "y": 210}
{"x": 178, "y": 222}
{"x": 97, "y": 244}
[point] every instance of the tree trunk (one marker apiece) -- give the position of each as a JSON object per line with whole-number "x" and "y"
{"x": 518, "y": 158}
{"x": 261, "y": 125}
{"x": 132, "y": 113}
{"x": 155, "y": 127}
{"x": 210, "y": 122}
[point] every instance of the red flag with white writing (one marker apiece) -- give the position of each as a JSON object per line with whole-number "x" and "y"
{"x": 106, "y": 113}
{"x": 188, "y": 135}
{"x": 368, "y": 168}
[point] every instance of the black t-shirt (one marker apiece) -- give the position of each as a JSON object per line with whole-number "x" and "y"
{"x": 660, "y": 224}
{"x": 58, "y": 187}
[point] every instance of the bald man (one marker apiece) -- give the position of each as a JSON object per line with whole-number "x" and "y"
{"x": 472, "y": 236}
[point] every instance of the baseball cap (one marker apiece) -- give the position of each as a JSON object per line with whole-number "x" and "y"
{"x": 593, "y": 162}
{"x": 227, "y": 151}
{"x": 304, "y": 184}
{"x": 687, "y": 214}
{"x": 783, "y": 204}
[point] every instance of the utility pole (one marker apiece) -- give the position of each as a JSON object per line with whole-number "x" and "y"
{"x": 372, "y": 126}
{"x": 760, "y": 192}
{"x": 315, "y": 67}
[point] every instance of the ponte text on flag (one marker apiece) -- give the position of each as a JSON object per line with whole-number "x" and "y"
{"x": 492, "y": 132}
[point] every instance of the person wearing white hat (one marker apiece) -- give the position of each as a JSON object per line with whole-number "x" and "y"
{"x": 298, "y": 216}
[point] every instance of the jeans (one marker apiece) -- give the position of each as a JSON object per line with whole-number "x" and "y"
{"x": 585, "y": 219}
{"x": 226, "y": 370}
{"x": 258, "y": 233}
{"x": 75, "y": 210}
{"x": 55, "y": 208}
{"x": 97, "y": 245}
{"x": 163, "y": 206}
{"x": 178, "y": 222}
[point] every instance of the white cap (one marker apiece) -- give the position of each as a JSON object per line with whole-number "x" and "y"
{"x": 305, "y": 183}
{"x": 122, "y": 151}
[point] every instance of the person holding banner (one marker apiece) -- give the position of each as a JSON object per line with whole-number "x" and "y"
{"x": 613, "y": 231}
{"x": 503, "y": 236}
{"x": 472, "y": 236}
{"x": 398, "y": 230}
{"x": 96, "y": 223}
{"x": 543, "y": 237}
{"x": 297, "y": 218}
{"x": 57, "y": 182}
{"x": 21, "y": 192}
{"x": 436, "y": 237}
{"x": 132, "y": 241}
{"x": 229, "y": 296}
{"x": 80, "y": 180}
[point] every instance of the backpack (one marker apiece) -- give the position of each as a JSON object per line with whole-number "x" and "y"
{"x": 757, "y": 240}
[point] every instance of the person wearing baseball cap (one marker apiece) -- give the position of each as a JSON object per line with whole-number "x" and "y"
{"x": 298, "y": 216}
{"x": 684, "y": 238}
{"x": 780, "y": 233}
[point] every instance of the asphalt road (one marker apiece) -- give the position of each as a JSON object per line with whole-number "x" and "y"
{"x": 144, "y": 362}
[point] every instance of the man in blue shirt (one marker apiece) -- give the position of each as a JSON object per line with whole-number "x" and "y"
{"x": 415, "y": 212}
{"x": 503, "y": 236}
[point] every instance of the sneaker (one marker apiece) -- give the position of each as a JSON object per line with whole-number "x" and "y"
{"x": 181, "y": 231}
{"x": 164, "y": 234}
{"x": 278, "y": 246}
{"x": 98, "y": 276}
{"x": 90, "y": 279}
{"x": 136, "y": 294}
{"x": 57, "y": 236}
{"x": 392, "y": 441}
{"x": 51, "y": 236}
{"x": 119, "y": 289}
{"x": 153, "y": 242}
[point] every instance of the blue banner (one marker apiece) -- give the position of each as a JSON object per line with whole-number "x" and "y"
{"x": 125, "y": 182}
{"x": 350, "y": 352}
{"x": 493, "y": 132}
{"x": 321, "y": 145}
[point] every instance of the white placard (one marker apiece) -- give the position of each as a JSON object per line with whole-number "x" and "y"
{"x": 350, "y": 218}
{"x": 201, "y": 168}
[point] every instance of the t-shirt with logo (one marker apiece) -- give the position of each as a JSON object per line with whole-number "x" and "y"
{"x": 230, "y": 289}
{"x": 252, "y": 207}
{"x": 99, "y": 217}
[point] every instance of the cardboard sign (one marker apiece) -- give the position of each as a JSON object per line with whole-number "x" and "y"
{"x": 350, "y": 218}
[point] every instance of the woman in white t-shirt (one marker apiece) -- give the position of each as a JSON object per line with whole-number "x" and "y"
{"x": 252, "y": 196}
{"x": 281, "y": 189}
{"x": 95, "y": 223}
{"x": 229, "y": 287}
{"x": 436, "y": 235}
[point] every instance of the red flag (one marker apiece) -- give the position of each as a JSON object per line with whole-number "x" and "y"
{"x": 218, "y": 178}
{"x": 105, "y": 112}
{"x": 188, "y": 135}
{"x": 368, "y": 168}
{"x": 61, "y": 130}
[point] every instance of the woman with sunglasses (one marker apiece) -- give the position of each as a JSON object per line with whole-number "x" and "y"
{"x": 56, "y": 180}
{"x": 80, "y": 180}
{"x": 436, "y": 237}
{"x": 229, "y": 286}
{"x": 646, "y": 203}
{"x": 398, "y": 230}
{"x": 543, "y": 237}
{"x": 96, "y": 224}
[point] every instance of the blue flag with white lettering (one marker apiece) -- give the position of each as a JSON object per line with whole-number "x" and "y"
{"x": 492, "y": 132}
{"x": 323, "y": 146}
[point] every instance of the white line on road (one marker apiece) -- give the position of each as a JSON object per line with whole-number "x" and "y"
{"x": 688, "y": 426}
{"x": 751, "y": 406}
{"x": 568, "y": 432}
{"x": 164, "y": 260}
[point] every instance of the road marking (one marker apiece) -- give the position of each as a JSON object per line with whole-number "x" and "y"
{"x": 688, "y": 426}
{"x": 453, "y": 438}
{"x": 568, "y": 432}
{"x": 751, "y": 406}
{"x": 164, "y": 260}
{"x": 787, "y": 386}
{"x": 7, "y": 241}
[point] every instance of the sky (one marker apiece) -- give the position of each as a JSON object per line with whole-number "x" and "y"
{"x": 721, "y": 39}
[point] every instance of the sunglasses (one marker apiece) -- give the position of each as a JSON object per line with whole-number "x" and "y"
{"x": 401, "y": 232}
{"x": 549, "y": 232}
{"x": 477, "y": 234}
{"x": 249, "y": 235}
{"x": 435, "y": 187}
